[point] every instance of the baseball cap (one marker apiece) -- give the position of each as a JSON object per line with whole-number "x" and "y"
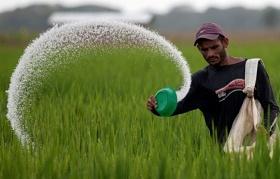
{"x": 210, "y": 31}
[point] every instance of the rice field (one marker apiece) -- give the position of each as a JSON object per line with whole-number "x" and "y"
{"x": 89, "y": 120}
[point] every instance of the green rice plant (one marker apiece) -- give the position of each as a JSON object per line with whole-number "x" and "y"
{"x": 89, "y": 120}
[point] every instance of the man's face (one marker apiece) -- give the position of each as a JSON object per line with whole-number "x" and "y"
{"x": 213, "y": 51}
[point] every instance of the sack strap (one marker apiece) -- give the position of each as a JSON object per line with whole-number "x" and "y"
{"x": 251, "y": 69}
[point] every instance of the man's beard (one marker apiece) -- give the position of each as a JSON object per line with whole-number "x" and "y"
{"x": 222, "y": 56}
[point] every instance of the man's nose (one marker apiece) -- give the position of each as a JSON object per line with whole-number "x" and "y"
{"x": 210, "y": 53}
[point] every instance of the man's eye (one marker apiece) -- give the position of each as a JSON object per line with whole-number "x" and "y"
{"x": 215, "y": 47}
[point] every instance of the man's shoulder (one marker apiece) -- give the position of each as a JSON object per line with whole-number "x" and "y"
{"x": 261, "y": 66}
{"x": 201, "y": 73}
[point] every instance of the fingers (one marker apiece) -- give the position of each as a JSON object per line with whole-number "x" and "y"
{"x": 151, "y": 103}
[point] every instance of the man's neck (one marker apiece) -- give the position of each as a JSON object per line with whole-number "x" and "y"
{"x": 230, "y": 60}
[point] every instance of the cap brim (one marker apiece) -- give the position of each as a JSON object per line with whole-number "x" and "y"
{"x": 206, "y": 36}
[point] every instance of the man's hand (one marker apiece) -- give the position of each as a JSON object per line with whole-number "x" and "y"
{"x": 151, "y": 103}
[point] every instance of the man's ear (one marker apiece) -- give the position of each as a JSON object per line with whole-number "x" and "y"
{"x": 225, "y": 42}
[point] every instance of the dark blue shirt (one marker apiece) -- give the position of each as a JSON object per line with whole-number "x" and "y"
{"x": 217, "y": 93}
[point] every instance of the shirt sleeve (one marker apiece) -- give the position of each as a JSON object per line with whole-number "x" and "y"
{"x": 265, "y": 95}
{"x": 192, "y": 100}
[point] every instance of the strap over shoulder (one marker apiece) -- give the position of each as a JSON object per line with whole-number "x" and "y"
{"x": 251, "y": 69}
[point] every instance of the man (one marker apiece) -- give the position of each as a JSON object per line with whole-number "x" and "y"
{"x": 217, "y": 90}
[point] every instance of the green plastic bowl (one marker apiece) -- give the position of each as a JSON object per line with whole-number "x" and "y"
{"x": 166, "y": 101}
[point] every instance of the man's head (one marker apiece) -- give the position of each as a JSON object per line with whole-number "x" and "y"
{"x": 212, "y": 42}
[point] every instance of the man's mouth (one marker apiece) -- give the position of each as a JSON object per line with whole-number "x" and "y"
{"x": 212, "y": 60}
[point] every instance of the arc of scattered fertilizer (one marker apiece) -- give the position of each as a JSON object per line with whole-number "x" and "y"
{"x": 72, "y": 38}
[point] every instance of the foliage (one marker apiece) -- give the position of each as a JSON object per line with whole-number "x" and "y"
{"x": 89, "y": 120}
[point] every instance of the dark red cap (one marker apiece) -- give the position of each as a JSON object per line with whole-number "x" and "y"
{"x": 210, "y": 31}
